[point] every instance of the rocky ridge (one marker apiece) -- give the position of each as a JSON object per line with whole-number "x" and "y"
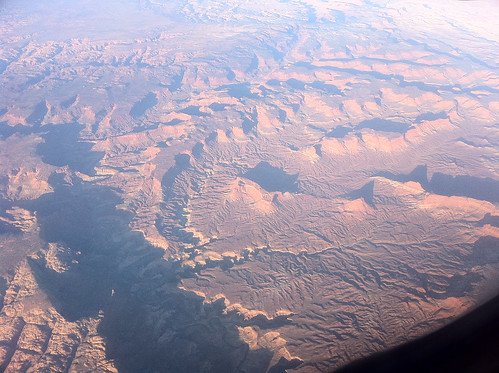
{"x": 292, "y": 205}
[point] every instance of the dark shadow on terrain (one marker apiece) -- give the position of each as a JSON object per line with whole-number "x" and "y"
{"x": 327, "y": 88}
{"x": 489, "y": 219}
{"x": 3, "y": 63}
{"x": 339, "y": 132}
{"x": 484, "y": 251}
{"x": 377, "y": 124}
{"x": 253, "y": 65}
{"x": 485, "y": 189}
{"x": 282, "y": 115}
{"x": 176, "y": 83}
{"x": 84, "y": 218}
{"x": 182, "y": 162}
{"x": 218, "y": 107}
{"x": 62, "y": 147}
{"x": 98, "y": 118}
{"x": 272, "y": 179}
{"x": 296, "y": 84}
{"x": 140, "y": 107}
{"x": 150, "y": 325}
{"x": 8, "y": 228}
{"x": 318, "y": 149}
{"x": 3, "y": 289}
{"x": 156, "y": 125}
{"x": 198, "y": 150}
{"x": 175, "y": 202}
{"x": 194, "y": 110}
{"x": 469, "y": 344}
{"x": 7, "y": 131}
{"x": 249, "y": 122}
{"x": 212, "y": 137}
{"x": 456, "y": 286}
{"x": 300, "y": 85}
{"x": 173, "y": 331}
{"x": 238, "y": 90}
{"x": 37, "y": 78}
{"x": 431, "y": 116}
{"x": 230, "y": 74}
{"x": 70, "y": 101}
{"x": 264, "y": 90}
{"x": 38, "y": 114}
{"x": 284, "y": 364}
{"x": 399, "y": 79}
{"x": 366, "y": 192}
{"x": 470, "y": 143}
{"x": 419, "y": 174}
{"x": 384, "y": 125}
{"x": 273, "y": 82}
{"x": 451, "y": 56}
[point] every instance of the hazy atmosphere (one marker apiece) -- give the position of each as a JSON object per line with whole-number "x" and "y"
{"x": 242, "y": 186}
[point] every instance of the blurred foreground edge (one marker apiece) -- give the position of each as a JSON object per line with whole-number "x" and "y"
{"x": 469, "y": 344}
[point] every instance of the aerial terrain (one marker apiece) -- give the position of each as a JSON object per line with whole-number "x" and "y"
{"x": 242, "y": 186}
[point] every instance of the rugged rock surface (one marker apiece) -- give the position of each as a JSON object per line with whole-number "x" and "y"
{"x": 287, "y": 188}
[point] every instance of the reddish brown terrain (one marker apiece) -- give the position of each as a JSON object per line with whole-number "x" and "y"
{"x": 253, "y": 186}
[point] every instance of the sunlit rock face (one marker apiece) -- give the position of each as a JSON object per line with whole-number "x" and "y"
{"x": 242, "y": 186}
